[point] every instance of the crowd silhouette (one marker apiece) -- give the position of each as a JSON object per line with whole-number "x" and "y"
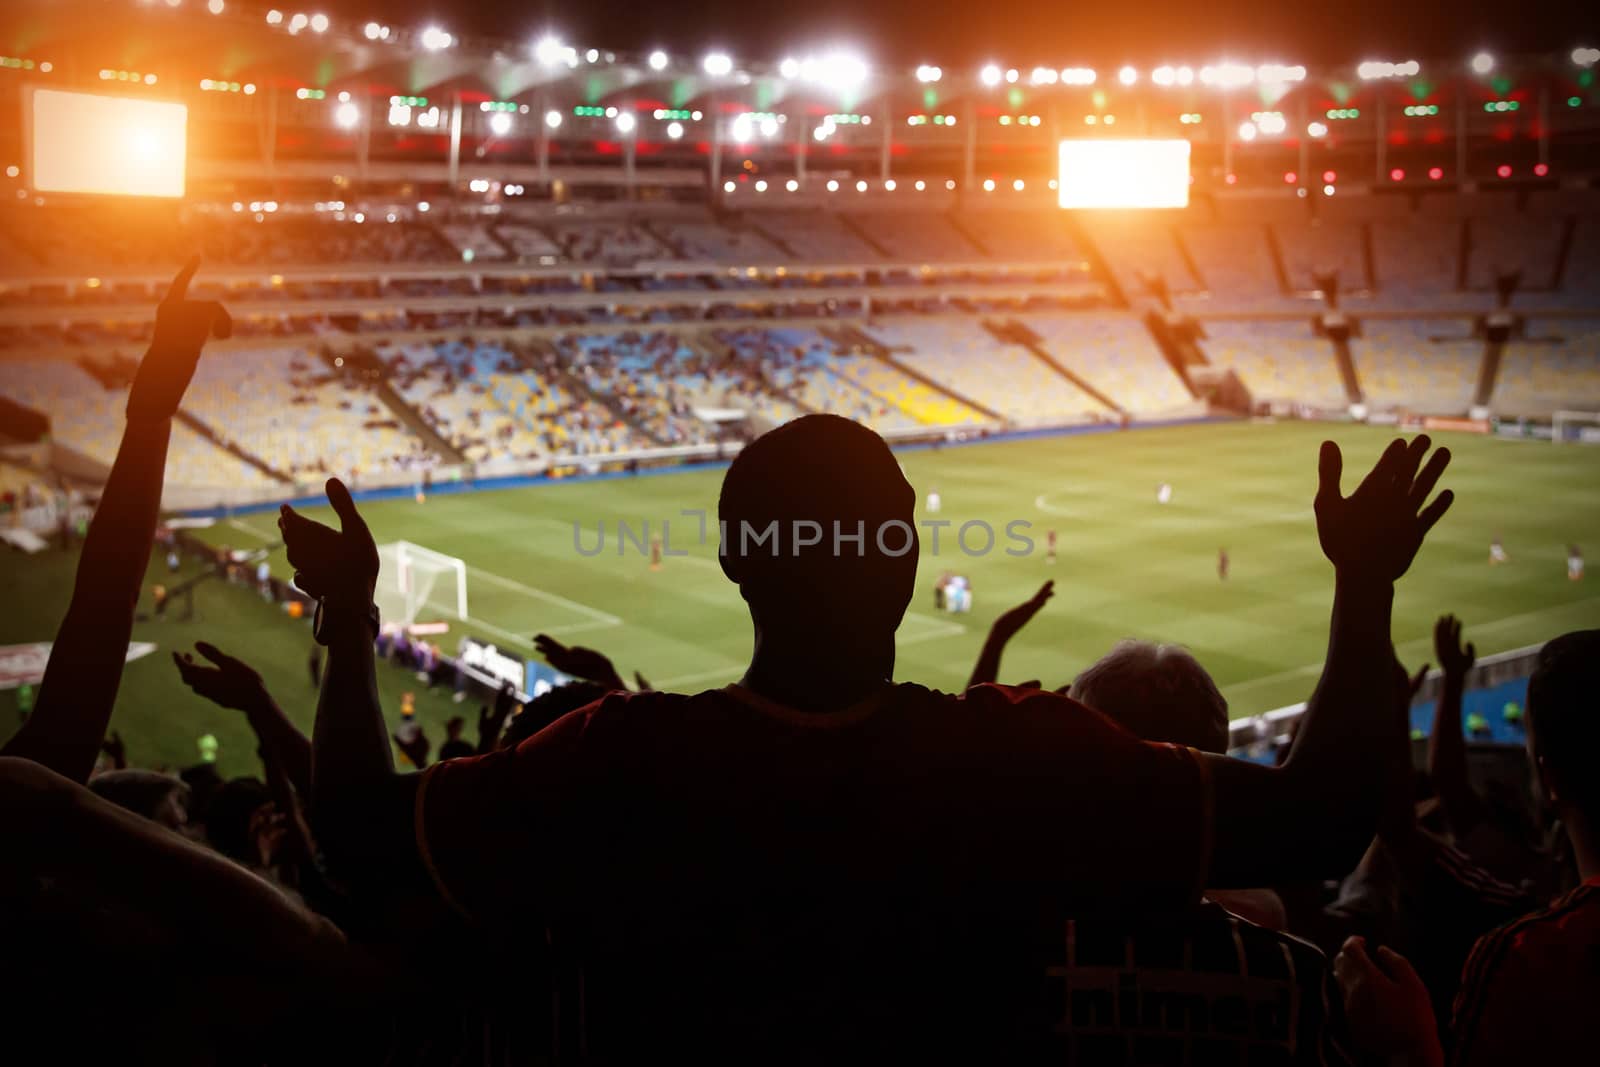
{"x": 820, "y": 862}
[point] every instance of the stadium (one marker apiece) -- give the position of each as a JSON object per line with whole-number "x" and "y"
{"x": 531, "y": 299}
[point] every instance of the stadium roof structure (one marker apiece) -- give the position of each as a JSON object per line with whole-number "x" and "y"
{"x": 314, "y": 87}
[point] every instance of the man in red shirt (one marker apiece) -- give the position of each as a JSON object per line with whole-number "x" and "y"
{"x": 818, "y": 861}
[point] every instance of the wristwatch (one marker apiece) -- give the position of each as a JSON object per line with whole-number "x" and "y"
{"x": 321, "y": 615}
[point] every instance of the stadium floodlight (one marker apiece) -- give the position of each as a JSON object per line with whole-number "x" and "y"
{"x": 1374, "y": 69}
{"x": 1127, "y": 75}
{"x": 274, "y": 17}
{"x": 658, "y": 60}
{"x": 1078, "y": 76}
{"x": 626, "y": 122}
{"x": 422, "y": 206}
{"x": 790, "y": 67}
{"x": 1012, "y": 74}
{"x": 833, "y": 185}
{"x": 761, "y": 185}
{"x": 1247, "y": 131}
{"x": 1585, "y": 57}
{"x": 1227, "y": 75}
{"x": 299, "y": 22}
{"x": 990, "y": 75}
{"x": 346, "y": 115}
{"x": 548, "y": 51}
{"x": 372, "y": 31}
{"x": 717, "y": 64}
{"x": 1043, "y": 76}
{"x": 741, "y": 129}
{"x": 988, "y": 185}
{"x": 861, "y": 185}
{"x": 929, "y": 73}
{"x": 214, "y": 6}
{"x": 1482, "y": 63}
{"x": 729, "y": 186}
{"x": 791, "y": 185}
{"x": 592, "y": 55}
{"x": 1164, "y": 76}
{"x": 1317, "y": 129}
{"x": 889, "y": 184}
{"x": 1185, "y": 76}
{"x": 319, "y": 23}
{"x": 950, "y": 184}
{"x": 769, "y": 127}
{"x": 500, "y": 123}
{"x": 1271, "y": 123}
{"x": 552, "y": 119}
{"x": 1278, "y": 73}
{"x": 675, "y": 130}
{"x": 435, "y": 39}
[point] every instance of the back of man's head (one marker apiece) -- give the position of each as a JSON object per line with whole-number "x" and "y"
{"x": 1159, "y": 692}
{"x": 818, "y": 524}
{"x": 1564, "y": 721}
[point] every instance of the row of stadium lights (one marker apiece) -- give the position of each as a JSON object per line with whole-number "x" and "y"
{"x": 888, "y": 185}
{"x": 842, "y": 70}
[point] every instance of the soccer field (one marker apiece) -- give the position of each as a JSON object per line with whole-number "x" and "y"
{"x": 1127, "y": 565}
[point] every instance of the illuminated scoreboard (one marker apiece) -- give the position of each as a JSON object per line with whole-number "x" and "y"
{"x": 112, "y": 145}
{"x": 1123, "y": 174}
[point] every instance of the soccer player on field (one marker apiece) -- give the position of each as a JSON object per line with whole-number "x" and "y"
{"x": 1222, "y": 563}
{"x": 655, "y": 553}
{"x": 1497, "y": 552}
{"x": 1050, "y": 547}
{"x": 1574, "y": 564}
{"x": 1164, "y": 494}
{"x": 934, "y": 502}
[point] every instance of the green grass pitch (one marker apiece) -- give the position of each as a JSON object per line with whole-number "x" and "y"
{"x": 1127, "y": 566}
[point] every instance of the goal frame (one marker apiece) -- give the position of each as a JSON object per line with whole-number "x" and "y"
{"x": 407, "y": 551}
{"x": 1560, "y": 420}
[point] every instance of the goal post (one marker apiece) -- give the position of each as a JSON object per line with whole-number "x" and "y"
{"x": 414, "y": 579}
{"x": 1568, "y": 426}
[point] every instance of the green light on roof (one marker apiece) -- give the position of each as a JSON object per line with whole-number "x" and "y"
{"x": 1574, "y": 101}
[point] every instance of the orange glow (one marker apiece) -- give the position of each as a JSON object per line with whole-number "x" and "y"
{"x": 1124, "y": 173}
{"x": 84, "y": 143}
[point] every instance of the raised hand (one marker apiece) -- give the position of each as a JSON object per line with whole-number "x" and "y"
{"x": 1008, "y": 624}
{"x": 229, "y": 682}
{"x": 1374, "y": 533}
{"x": 584, "y": 663}
{"x": 339, "y": 564}
{"x": 492, "y": 723}
{"x": 115, "y": 750}
{"x": 1453, "y": 657}
{"x": 182, "y": 327}
{"x": 1386, "y": 1004}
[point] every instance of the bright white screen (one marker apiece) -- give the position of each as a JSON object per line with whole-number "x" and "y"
{"x": 1124, "y": 173}
{"x": 107, "y": 144}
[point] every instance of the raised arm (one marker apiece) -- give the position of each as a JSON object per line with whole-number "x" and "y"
{"x": 233, "y": 683}
{"x": 987, "y": 669}
{"x": 1313, "y": 816}
{"x": 1447, "y": 748}
{"x": 361, "y": 809}
{"x": 86, "y": 660}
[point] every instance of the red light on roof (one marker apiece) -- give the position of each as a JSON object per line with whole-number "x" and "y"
{"x": 1232, "y": 179}
{"x": 1397, "y": 175}
{"x": 1290, "y": 177}
{"x": 1330, "y": 176}
{"x": 1541, "y": 169}
{"x": 1504, "y": 170}
{"x": 1435, "y": 173}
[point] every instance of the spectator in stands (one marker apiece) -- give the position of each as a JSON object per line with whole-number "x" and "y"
{"x": 817, "y": 829}
{"x": 1529, "y": 988}
{"x": 455, "y": 746}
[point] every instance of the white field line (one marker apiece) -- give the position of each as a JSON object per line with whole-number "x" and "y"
{"x": 730, "y": 673}
{"x": 253, "y": 530}
{"x": 1425, "y": 644}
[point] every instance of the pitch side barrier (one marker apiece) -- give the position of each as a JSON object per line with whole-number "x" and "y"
{"x": 224, "y": 502}
{"x": 1258, "y": 736}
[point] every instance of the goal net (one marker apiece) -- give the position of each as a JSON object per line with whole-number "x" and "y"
{"x": 414, "y": 582}
{"x": 1575, "y": 427}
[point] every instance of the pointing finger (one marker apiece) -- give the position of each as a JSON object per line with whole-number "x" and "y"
{"x": 180, "y": 283}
